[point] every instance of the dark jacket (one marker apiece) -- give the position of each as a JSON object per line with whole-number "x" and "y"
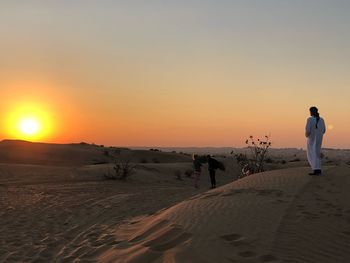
{"x": 212, "y": 164}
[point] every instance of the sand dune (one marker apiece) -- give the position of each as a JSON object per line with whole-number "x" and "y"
{"x": 69, "y": 214}
{"x": 56, "y": 206}
{"x": 23, "y": 152}
{"x": 279, "y": 216}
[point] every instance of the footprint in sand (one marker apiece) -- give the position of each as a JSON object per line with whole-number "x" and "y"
{"x": 301, "y": 206}
{"x": 228, "y": 194}
{"x": 247, "y": 254}
{"x": 206, "y": 196}
{"x": 231, "y": 237}
{"x": 268, "y": 258}
{"x": 346, "y": 233}
{"x": 338, "y": 215}
{"x": 236, "y": 240}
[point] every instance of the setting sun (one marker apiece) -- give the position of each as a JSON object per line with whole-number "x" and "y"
{"x": 29, "y": 126}
{"x": 29, "y": 122}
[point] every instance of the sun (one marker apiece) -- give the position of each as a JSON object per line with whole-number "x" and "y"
{"x": 29, "y": 126}
{"x": 29, "y": 122}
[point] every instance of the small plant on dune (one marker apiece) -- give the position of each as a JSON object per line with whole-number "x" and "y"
{"x": 155, "y": 150}
{"x": 254, "y": 162}
{"x": 122, "y": 169}
{"x": 259, "y": 150}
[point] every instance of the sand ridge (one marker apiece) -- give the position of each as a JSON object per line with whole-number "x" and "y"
{"x": 267, "y": 217}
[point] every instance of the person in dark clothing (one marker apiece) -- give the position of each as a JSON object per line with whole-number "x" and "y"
{"x": 212, "y": 166}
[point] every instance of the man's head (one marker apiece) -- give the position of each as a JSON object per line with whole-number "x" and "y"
{"x": 313, "y": 111}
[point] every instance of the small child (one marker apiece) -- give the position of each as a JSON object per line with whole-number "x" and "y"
{"x": 197, "y": 170}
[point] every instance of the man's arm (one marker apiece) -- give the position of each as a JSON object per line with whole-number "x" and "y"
{"x": 307, "y": 128}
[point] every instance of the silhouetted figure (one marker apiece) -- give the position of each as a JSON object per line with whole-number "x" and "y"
{"x": 315, "y": 128}
{"x": 197, "y": 170}
{"x": 212, "y": 166}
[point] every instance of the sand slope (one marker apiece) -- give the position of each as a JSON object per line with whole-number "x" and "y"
{"x": 278, "y": 216}
{"x": 69, "y": 214}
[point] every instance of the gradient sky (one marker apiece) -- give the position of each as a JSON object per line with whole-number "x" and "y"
{"x": 178, "y": 73}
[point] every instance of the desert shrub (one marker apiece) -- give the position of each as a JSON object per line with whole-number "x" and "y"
{"x": 259, "y": 150}
{"x": 254, "y": 162}
{"x": 283, "y": 162}
{"x": 189, "y": 172}
{"x": 122, "y": 169}
{"x": 178, "y": 175}
{"x": 106, "y": 153}
{"x": 155, "y": 150}
{"x": 245, "y": 164}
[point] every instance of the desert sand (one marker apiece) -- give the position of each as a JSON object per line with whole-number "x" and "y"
{"x": 56, "y": 206}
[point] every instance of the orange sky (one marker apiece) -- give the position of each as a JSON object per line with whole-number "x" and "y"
{"x": 176, "y": 74}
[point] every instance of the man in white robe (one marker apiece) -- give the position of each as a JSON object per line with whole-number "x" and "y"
{"x": 315, "y": 128}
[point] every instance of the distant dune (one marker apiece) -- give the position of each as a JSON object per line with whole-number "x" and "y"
{"x": 23, "y": 152}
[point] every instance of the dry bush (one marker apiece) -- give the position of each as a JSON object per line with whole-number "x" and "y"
{"x": 122, "y": 169}
{"x": 254, "y": 162}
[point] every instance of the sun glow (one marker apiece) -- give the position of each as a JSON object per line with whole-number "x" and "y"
{"x": 29, "y": 123}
